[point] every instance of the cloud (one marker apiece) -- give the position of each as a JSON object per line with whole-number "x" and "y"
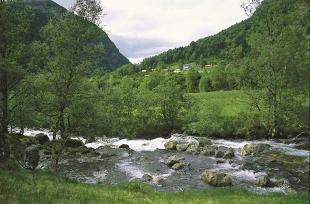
{"x": 141, "y": 28}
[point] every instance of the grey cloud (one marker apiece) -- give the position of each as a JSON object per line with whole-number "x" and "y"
{"x": 133, "y": 47}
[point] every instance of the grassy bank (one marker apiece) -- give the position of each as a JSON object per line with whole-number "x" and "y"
{"x": 19, "y": 186}
{"x": 240, "y": 114}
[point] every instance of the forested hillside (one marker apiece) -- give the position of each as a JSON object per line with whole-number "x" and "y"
{"x": 47, "y": 9}
{"x": 231, "y": 46}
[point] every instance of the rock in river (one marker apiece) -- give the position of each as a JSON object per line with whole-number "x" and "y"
{"x": 42, "y": 138}
{"x": 229, "y": 154}
{"x": 216, "y": 179}
{"x": 254, "y": 149}
{"x": 171, "y": 145}
{"x": 173, "y": 160}
{"x": 193, "y": 149}
{"x": 182, "y": 147}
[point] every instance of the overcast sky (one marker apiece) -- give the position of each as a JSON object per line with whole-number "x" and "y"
{"x": 142, "y": 28}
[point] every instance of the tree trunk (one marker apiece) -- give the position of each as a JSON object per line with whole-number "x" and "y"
{"x": 4, "y": 144}
{"x": 274, "y": 117}
{"x": 62, "y": 126}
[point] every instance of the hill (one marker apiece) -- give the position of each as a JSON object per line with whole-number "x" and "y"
{"x": 46, "y": 9}
{"x": 231, "y": 46}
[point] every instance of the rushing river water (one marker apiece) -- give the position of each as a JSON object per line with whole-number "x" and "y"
{"x": 113, "y": 165}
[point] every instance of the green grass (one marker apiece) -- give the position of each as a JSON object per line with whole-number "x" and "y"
{"x": 231, "y": 102}
{"x": 19, "y": 186}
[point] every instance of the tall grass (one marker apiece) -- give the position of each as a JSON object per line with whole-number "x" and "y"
{"x": 19, "y": 186}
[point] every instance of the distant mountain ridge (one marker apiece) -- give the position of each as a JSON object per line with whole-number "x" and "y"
{"x": 230, "y": 46}
{"x": 46, "y": 9}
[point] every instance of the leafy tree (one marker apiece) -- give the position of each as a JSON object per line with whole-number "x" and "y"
{"x": 278, "y": 63}
{"x": 15, "y": 20}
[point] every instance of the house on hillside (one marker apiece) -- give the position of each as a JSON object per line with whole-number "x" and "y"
{"x": 209, "y": 66}
{"x": 144, "y": 71}
{"x": 186, "y": 67}
{"x": 177, "y": 71}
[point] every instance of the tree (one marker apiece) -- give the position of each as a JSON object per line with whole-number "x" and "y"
{"x": 278, "y": 64}
{"x": 91, "y": 10}
{"x": 15, "y": 20}
{"x": 192, "y": 81}
{"x": 205, "y": 84}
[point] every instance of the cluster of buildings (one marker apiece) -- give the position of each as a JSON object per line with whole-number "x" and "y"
{"x": 185, "y": 67}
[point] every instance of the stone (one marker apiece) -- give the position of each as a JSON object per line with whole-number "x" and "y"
{"x": 263, "y": 181}
{"x": 179, "y": 165}
{"x": 193, "y": 149}
{"x": 74, "y": 143}
{"x": 42, "y": 138}
{"x": 124, "y": 146}
{"x": 171, "y": 145}
{"x": 203, "y": 141}
{"x": 173, "y": 160}
{"x": 147, "y": 177}
{"x": 219, "y": 154}
{"x": 182, "y": 147}
{"x": 208, "y": 150}
{"x": 217, "y": 179}
{"x": 229, "y": 154}
{"x": 254, "y": 149}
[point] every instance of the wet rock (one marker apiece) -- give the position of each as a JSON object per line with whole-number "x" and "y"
{"x": 254, "y": 149}
{"x": 182, "y": 147}
{"x": 219, "y": 153}
{"x": 171, "y": 145}
{"x": 229, "y": 154}
{"x": 124, "y": 146}
{"x": 305, "y": 145}
{"x": 42, "y": 138}
{"x": 173, "y": 160}
{"x": 220, "y": 161}
{"x": 159, "y": 181}
{"x": 147, "y": 177}
{"x": 179, "y": 165}
{"x": 203, "y": 141}
{"x": 208, "y": 150}
{"x": 77, "y": 151}
{"x": 278, "y": 182}
{"x": 263, "y": 181}
{"x": 217, "y": 179}
{"x": 107, "y": 151}
{"x": 74, "y": 143}
{"x": 193, "y": 149}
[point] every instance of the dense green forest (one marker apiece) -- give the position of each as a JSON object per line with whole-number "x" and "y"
{"x": 51, "y": 77}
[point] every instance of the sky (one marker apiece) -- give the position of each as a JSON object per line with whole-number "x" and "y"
{"x": 143, "y": 28}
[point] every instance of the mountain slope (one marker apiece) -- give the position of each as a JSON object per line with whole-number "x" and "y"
{"x": 230, "y": 46}
{"x": 46, "y": 9}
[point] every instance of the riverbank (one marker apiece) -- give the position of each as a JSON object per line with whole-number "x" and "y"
{"x": 20, "y": 186}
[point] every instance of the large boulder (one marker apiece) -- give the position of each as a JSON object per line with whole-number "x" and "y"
{"x": 208, "y": 150}
{"x": 219, "y": 153}
{"x": 173, "y": 160}
{"x": 179, "y": 165}
{"x": 42, "y": 138}
{"x": 254, "y": 149}
{"x": 74, "y": 143}
{"x": 171, "y": 145}
{"x": 193, "y": 149}
{"x": 124, "y": 146}
{"x": 203, "y": 141}
{"x": 182, "y": 147}
{"x": 263, "y": 181}
{"x": 216, "y": 179}
{"x": 229, "y": 154}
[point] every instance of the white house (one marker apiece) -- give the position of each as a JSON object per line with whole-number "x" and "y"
{"x": 186, "y": 66}
{"x": 177, "y": 71}
{"x": 144, "y": 71}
